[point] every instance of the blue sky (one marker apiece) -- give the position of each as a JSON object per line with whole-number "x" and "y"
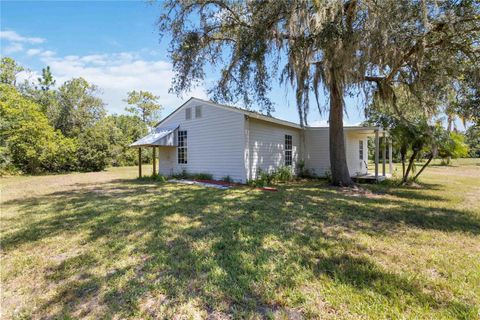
{"x": 115, "y": 45}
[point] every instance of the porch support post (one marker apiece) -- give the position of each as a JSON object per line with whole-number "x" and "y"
{"x": 154, "y": 160}
{"x": 140, "y": 162}
{"x": 390, "y": 154}
{"x": 377, "y": 153}
{"x": 158, "y": 166}
{"x": 384, "y": 154}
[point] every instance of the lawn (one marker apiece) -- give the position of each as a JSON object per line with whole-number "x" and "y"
{"x": 106, "y": 245}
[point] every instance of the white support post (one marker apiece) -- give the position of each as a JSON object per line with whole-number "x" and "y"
{"x": 377, "y": 153}
{"x": 390, "y": 155}
{"x": 384, "y": 154}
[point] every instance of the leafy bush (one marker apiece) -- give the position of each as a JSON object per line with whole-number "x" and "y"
{"x": 303, "y": 172}
{"x": 201, "y": 176}
{"x": 282, "y": 174}
{"x": 452, "y": 145}
{"x": 154, "y": 177}
{"x": 227, "y": 179}
{"x": 93, "y": 152}
{"x": 192, "y": 176}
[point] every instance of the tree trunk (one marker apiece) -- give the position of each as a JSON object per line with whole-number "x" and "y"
{"x": 403, "y": 165}
{"x": 424, "y": 166}
{"x": 410, "y": 165}
{"x": 338, "y": 159}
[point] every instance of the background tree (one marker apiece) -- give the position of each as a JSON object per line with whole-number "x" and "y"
{"x": 472, "y": 139}
{"x": 94, "y": 150}
{"x": 123, "y": 130}
{"x": 32, "y": 144}
{"x": 79, "y": 107}
{"x": 144, "y": 105}
{"x": 46, "y": 81}
{"x": 340, "y": 46}
{"x": 9, "y": 69}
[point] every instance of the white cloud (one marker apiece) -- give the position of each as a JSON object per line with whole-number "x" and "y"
{"x": 33, "y": 52}
{"x": 15, "y": 37}
{"x": 12, "y": 48}
{"x": 116, "y": 74}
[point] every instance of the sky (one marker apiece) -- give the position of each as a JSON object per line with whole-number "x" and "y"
{"x": 116, "y": 46}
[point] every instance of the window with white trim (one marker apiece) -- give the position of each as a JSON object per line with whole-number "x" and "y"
{"x": 198, "y": 112}
{"x": 182, "y": 147}
{"x": 360, "y": 149}
{"x": 288, "y": 150}
{"x": 188, "y": 113}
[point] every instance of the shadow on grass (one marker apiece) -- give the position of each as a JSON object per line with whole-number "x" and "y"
{"x": 151, "y": 248}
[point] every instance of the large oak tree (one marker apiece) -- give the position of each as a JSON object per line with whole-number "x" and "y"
{"x": 336, "y": 45}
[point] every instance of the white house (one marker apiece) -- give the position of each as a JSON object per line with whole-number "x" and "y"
{"x": 204, "y": 137}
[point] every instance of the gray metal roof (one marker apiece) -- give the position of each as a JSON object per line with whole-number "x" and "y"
{"x": 156, "y": 138}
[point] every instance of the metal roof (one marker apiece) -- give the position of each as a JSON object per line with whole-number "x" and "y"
{"x": 156, "y": 138}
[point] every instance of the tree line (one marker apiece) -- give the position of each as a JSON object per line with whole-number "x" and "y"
{"x": 45, "y": 128}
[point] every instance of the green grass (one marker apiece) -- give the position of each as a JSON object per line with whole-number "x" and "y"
{"x": 106, "y": 245}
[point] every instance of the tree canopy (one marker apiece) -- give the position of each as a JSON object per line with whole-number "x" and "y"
{"x": 144, "y": 105}
{"x": 49, "y": 129}
{"x": 340, "y": 46}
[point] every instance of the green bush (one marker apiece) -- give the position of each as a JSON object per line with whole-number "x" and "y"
{"x": 201, "y": 176}
{"x": 154, "y": 177}
{"x": 282, "y": 174}
{"x": 192, "y": 176}
{"x": 227, "y": 179}
{"x": 303, "y": 172}
{"x": 93, "y": 152}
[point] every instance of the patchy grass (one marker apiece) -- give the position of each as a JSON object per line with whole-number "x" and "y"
{"x": 103, "y": 245}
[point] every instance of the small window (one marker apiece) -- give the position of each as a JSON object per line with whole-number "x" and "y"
{"x": 288, "y": 150}
{"x": 182, "y": 147}
{"x": 360, "y": 149}
{"x": 188, "y": 113}
{"x": 198, "y": 112}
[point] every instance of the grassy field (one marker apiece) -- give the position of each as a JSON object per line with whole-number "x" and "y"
{"x": 105, "y": 245}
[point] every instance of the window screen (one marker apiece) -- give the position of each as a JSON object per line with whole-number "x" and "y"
{"x": 182, "y": 147}
{"x": 188, "y": 113}
{"x": 288, "y": 150}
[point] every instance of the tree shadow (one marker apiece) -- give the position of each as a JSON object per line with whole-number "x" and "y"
{"x": 230, "y": 251}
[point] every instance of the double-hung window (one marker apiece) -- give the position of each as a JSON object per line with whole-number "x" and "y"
{"x": 288, "y": 150}
{"x": 182, "y": 147}
{"x": 360, "y": 149}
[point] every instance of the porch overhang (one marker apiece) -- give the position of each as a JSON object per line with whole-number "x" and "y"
{"x": 161, "y": 136}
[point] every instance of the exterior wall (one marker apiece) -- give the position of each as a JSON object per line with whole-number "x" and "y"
{"x": 266, "y": 142}
{"x": 215, "y": 143}
{"x": 355, "y": 165}
{"x": 166, "y": 160}
{"x": 317, "y": 153}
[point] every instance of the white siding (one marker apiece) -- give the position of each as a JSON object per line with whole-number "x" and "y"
{"x": 215, "y": 143}
{"x": 355, "y": 165}
{"x": 266, "y": 142}
{"x": 317, "y": 153}
{"x": 166, "y": 160}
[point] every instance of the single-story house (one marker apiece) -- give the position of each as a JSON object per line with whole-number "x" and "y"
{"x": 205, "y": 137}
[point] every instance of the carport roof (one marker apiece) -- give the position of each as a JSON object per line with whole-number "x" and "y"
{"x": 155, "y": 138}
